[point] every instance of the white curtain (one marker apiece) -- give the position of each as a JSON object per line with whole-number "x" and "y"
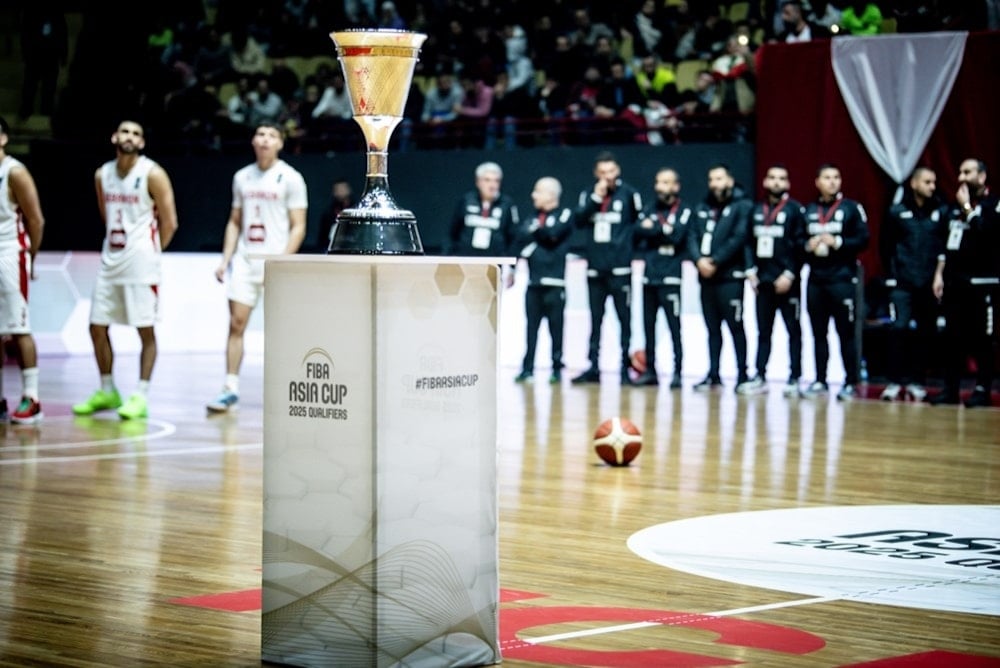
{"x": 895, "y": 87}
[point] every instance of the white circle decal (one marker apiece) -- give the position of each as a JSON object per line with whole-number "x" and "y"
{"x": 929, "y": 557}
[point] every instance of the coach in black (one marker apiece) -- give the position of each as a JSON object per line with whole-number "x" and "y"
{"x": 661, "y": 238}
{"x": 911, "y": 240}
{"x": 544, "y": 243}
{"x": 607, "y": 215}
{"x": 967, "y": 281}
{"x": 485, "y": 220}
{"x": 775, "y": 247}
{"x": 837, "y": 231}
{"x": 717, "y": 244}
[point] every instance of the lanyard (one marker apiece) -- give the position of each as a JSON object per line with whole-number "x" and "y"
{"x": 824, "y": 219}
{"x": 771, "y": 216}
{"x": 673, "y": 212}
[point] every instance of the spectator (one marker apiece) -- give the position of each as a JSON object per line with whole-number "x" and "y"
{"x": 473, "y": 110}
{"x": 213, "y": 63}
{"x": 861, "y": 18}
{"x": 734, "y": 76}
{"x": 520, "y": 70}
{"x": 44, "y": 49}
{"x": 649, "y": 37}
{"x": 265, "y": 105}
{"x": 246, "y": 56}
{"x": 284, "y": 81}
{"x": 389, "y": 18}
{"x": 586, "y": 32}
{"x": 621, "y": 100}
{"x": 440, "y": 103}
{"x": 333, "y": 115}
{"x": 657, "y": 81}
{"x": 341, "y": 199}
{"x": 795, "y": 27}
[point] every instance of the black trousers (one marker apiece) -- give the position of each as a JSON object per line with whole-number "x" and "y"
{"x": 837, "y": 300}
{"x": 544, "y": 302}
{"x": 668, "y": 298}
{"x": 723, "y": 302}
{"x": 619, "y": 288}
{"x": 907, "y": 345}
{"x": 971, "y": 315}
{"x": 789, "y": 305}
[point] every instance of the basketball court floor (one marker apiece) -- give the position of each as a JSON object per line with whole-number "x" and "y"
{"x": 759, "y": 531}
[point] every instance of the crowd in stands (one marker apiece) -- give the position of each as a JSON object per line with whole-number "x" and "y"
{"x": 493, "y": 73}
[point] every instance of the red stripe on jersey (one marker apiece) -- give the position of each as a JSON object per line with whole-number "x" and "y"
{"x": 22, "y": 270}
{"x": 22, "y": 233}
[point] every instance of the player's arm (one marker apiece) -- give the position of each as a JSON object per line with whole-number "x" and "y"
{"x": 100, "y": 197}
{"x": 296, "y": 230}
{"x": 229, "y": 240}
{"x": 162, "y": 192}
{"x": 25, "y": 193}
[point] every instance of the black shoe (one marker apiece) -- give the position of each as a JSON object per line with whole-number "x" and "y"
{"x": 626, "y": 378}
{"x": 589, "y": 376}
{"x": 4, "y": 415}
{"x": 675, "y": 382}
{"x": 647, "y": 377}
{"x": 708, "y": 384}
{"x": 945, "y": 398}
{"x": 523, "y": 377}
{"x": 556, "y": 377}
{"x": 978, "y": 399}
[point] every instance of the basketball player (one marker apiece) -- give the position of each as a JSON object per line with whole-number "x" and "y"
{"x": 268, "y": 217}
{"x": 136, "y": 201}
{"x": 21, "y": 223}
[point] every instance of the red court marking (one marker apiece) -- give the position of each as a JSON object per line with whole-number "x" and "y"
{"x": 933, "y": 659}
{"x": 512, "y": 595}
{"x": 233, "y": 601}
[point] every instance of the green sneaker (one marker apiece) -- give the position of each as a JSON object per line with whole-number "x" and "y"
{"x": 98, "y": 401}
{"x": 134, "y": 408}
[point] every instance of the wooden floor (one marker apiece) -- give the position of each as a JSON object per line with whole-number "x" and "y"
{"x": 125, "y": 544}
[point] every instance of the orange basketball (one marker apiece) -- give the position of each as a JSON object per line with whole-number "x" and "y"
{"x": 617, "y": 441}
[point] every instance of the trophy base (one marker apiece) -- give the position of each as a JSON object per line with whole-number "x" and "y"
{"x": 374, "y": 234}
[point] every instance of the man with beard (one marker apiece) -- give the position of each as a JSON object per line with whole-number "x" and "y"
{"x": 716, "y": 243}
{"x": 607, "y": 215}
{"x": 837, "y": 230}
{"x": 967, "y": 280}
{"x": 661, "y": 236}
{"x": 136, "y": 201}
{"x": 775, "y": 243}
{"x": 910, "y": 242}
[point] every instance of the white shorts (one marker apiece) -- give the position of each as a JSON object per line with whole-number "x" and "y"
{"x": 131, "y": 304}
{"x": 246, "y": 281}
{"x": 15, "y": 270}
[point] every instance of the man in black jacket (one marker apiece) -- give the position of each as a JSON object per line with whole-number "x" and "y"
{"x": 544, "y": 243}
{"x": 607, "y": 215}
{"x": 967, "y": 280}
{"x": 775, "y": 248}
{"x": 716, "y": 243}
{"x": 485, "y": 220}
{"x": 910, "y": 242}
{"x": 661, "y": 237}
{"x": 837, "y": 231}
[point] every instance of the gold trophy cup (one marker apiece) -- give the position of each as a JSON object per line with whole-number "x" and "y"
{"x": 378, "y": 68}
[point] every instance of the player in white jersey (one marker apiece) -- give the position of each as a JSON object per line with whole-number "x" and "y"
{"x": 268, "y": 217}
{"x": 21, "y": 223}
{"x": 136, "y": 201}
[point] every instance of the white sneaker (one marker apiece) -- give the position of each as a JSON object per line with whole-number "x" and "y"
{"x": 815, "y": 390}
{"x": 792, "y": 389}
{"x": 891, "y": 392}
{"x": 847, "y": 392}
{"x": 755, "y": 385}
{"x": 916, "y": 392}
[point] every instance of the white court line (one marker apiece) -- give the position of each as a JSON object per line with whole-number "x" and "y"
{"x": 167, "y": 429}
{"x": 674, "y": 619}
{"x": 131, "y": 455}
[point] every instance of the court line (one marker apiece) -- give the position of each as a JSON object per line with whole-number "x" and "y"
{"x": 167, "y": 429}
{"x": 674, "y": 620}
{"x": 128, "y": 455}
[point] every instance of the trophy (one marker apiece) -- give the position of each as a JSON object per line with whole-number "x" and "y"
{"x": 378, "y": 68}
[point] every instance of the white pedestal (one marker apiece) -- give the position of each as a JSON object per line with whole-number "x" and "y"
{"x": 380, "y": 449}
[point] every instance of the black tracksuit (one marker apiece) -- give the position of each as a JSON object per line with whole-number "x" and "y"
{"x": 775, "y": 248}
{"x": 833, "y": 280}
{"x": 608, "y": 224}
{"x": 971, "y": 297}
{"x": 476, "y": 230}
{"x": 544, "y": 243}
{"x": 661, "y": 239}
{"x": 719, "y": 232}
{"x": 911, "y": 239}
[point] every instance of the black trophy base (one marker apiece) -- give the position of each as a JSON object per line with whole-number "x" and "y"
{"x": 364, "y": 235}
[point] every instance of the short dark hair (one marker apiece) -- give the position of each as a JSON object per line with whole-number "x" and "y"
{"x": 825, "y": 166}
{"x": 776, "y": 165}
{"x": 4, "y": 127}
{"x": 271, "y": 124}
{"x": 605, "y": 156}
{"x": 723, "y": 166}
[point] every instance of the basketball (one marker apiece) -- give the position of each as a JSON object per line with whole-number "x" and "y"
{"x": 638, "y": 360}
{"x": 617, "y": 441}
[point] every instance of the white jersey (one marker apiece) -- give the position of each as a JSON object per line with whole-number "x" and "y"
{"x": 265, "y": 198}
{"x": 13, "y": 236}
{"x": 131, "y": 251}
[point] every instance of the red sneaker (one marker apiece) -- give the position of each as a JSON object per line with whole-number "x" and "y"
{"x": 28, "y": 411}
